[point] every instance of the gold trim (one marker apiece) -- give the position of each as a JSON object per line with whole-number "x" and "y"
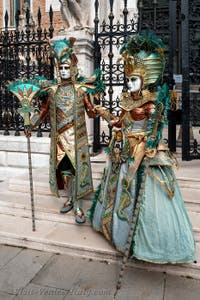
{"x": 85, "y": 193}
{"x": 82, "y": 144}
{"x": 128, "y": 102}
{"x": 163, "y": 184}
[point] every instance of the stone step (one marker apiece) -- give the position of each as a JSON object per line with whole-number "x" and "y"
{"x": 195, "y": 220}
{"x": 43, "y": 202}
{"x": 41, "y": 175}
{"x": 191, "y": 183}
{"x": 47, "y": 208}
{"x": 189, "y": 186}
{"x": 40, "y": 213}
{"x": 77, "y": 240}
{"x": 59, "y": 233}
{"x": 190, "y": 196}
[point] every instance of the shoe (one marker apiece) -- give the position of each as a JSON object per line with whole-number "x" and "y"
{"x": 67, "y": 206}
{"x": 79, "y": 216}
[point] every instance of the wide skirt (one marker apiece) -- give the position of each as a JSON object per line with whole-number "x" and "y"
{"x": 163, "y": 232}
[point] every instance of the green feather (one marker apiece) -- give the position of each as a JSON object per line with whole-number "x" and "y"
{"x": 107, "y": 150}
{"x": 146, "y": 41}
{"x": 95, "y": 80}
{"x": 163, "y": 97}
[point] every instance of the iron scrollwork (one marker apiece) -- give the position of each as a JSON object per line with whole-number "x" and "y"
{"x": 109, "y": 36}
{"x": 23, "y": 53}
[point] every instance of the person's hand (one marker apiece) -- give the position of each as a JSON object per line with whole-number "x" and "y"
{"x": 114, "y": 121}
{"x": 98, "y": 109}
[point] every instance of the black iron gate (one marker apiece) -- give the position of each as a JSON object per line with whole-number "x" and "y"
{"x": 109, "y": 36}
{"x": 23, "y": 53}
{"x": 190, "y": 13}
{"x": 26, "y": 53}
{"x": 177, "y": 22}
{"x": 163, "y": 17}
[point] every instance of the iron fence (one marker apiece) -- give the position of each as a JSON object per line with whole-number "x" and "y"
{"x": 190, "y": 12}
{"x": 23, "y": 53}
{"x": 109, "y": 36}
{"x": 177, "y": 23}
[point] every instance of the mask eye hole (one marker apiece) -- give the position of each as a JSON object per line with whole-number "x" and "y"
{"x": 132, "y": 79}
{"x": 64, "y": 68}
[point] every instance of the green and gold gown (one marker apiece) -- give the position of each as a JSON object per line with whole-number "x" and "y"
{"x": 139, "y": 186}
{"x": 67, "y": 105}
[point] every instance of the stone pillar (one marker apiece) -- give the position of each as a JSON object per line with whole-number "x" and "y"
{"x": 85, "y": 52}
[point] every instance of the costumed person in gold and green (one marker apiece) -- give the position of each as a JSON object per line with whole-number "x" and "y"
{"x": 139, "y": 191}
{"x": 67, "y": 99}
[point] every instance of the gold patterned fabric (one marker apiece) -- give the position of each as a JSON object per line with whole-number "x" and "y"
{"x": 66, "y": 105}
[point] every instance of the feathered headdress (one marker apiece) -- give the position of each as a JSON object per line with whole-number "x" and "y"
{"x": 63, "y": 50}
{"x": 146, "y": 41}
{"x": 143, "y": 55}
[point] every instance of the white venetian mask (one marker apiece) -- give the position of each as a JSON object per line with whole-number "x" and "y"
{"x": 65, "y": 72}
{"x": 134, "y": 83}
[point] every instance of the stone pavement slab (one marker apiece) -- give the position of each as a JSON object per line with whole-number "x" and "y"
{"x": 91, "y": 295}
{"x": 39, "y": 275}
{"x": 142, "y": 285}
{"x": 7, "y": 253}
{"x": 38, "y": 292}
{"x": 18, "y": 272}
{"x": 179, "y": 288}
{"x": 95, "y": 280}
{"x": 66, "y": 272}
{"x": 5, "y": 296}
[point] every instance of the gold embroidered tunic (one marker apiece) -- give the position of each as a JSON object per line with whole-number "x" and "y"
{"x": 67, "y": 106}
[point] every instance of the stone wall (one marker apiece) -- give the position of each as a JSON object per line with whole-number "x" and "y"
{"x": 14, "y": 158}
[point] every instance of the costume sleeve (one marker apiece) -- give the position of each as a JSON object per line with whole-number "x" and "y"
{"x": 155, "y": 125}
{"x": 117, "y": 121}
{"x": 40, "y": 114}
{"x": 157, "y": 119}
{"x": 89, "y": 107}
{"x": 106, "y": 115}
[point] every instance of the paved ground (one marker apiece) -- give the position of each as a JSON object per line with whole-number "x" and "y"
{"x": 35, "y": 275}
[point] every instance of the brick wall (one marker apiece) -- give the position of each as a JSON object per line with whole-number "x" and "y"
{"x": 1, "y": 7}
{"x": 57, "y": 20}
{"x": 1, "y": 12}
